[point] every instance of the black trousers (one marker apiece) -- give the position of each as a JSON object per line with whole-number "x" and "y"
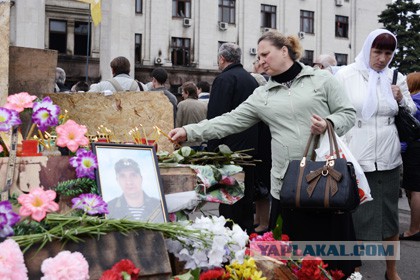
{"x": 242, "y": 212}
{"x": 304, "y": 225}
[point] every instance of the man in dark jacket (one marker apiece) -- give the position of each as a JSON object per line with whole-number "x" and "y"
{"x": 230, "y": 88}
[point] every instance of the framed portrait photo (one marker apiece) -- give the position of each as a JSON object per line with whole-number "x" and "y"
{"x": 129, "y": 181}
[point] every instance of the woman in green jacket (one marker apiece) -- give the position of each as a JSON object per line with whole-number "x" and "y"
{"x": 295, "y": 102}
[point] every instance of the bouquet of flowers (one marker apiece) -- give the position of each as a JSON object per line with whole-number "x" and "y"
{"x": 44, "y": 115}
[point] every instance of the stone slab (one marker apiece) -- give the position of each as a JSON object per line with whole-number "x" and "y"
{"x": 146, "y": 249}
{"x": 32, "y": 70}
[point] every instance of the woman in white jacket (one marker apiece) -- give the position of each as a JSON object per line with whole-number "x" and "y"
{"x": 374, "y": 139}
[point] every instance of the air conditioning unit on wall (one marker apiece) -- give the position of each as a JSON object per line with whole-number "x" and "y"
{"x": 223, "y": 26}
{"x": 252, "y": 51}
{"x": 158, "y": 60}
{"x": 187, "y": 22}
{"x": 339, "y": 3}
{"x": 301, "y": 34}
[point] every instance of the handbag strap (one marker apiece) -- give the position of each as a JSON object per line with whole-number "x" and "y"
{"x": 331, "y": 139}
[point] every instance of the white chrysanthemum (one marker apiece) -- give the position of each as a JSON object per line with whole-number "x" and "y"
{"x": 239, "y": 236}
{"x": 239, "y": 256}
{"x": 222, "y": 244}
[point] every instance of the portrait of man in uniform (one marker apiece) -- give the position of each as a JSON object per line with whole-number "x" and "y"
{"x": 129, "y": 187}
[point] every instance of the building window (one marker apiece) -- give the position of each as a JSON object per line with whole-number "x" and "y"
{"x": 308, "y": 58}
{"x": 81, "y": 30}
{"x": 341, "y": 59}
{"x": 341, "y": 26}
{"x": 307, "y": 21}
{"x": 181, "y": 49}
{"x": 58, "y": 35}
{"x": 181, "y": 8}
{"x": 268, "y": 16}
{"x": 139, "y": 6}
{"x": 137, "y": 48}
{"x": 227, "y": 11}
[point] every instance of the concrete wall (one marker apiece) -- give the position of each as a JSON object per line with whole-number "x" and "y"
{"x": 4, "y": 50}
{"x": 32, "y": 70}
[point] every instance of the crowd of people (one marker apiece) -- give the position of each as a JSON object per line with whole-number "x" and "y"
{"x": 274, "y": 108}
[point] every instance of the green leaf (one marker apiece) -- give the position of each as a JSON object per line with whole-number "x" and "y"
{"x": 190, "y": 275}
{"x": 186, "y": 151}
{"x": 224, "y": 150}
{"x": 278, "y": 230}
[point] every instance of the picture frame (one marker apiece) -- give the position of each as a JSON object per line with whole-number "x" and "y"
{"x": 129, "y": 181}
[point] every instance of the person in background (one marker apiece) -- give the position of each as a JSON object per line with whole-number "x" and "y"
{"x": 80, "y": 86}
{"x": 411, "y": 167}
{"x": 203, "y": 88}
{"x": 190, "y": 110}
{"x": 120, "y": 81}
{"x": 229, "y": 89}
{"x": 159, "y": 77}
{"x": 325, "y": 61}
{"x": 262, "y": 170}
{"x": 374, "y": 139}
{"x": 291, "y": 119}
{"x": 60, "y": 79}
{"x": 258, "y": 73}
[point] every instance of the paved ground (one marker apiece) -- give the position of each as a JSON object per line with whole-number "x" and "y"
{"x": 409, "y": 264}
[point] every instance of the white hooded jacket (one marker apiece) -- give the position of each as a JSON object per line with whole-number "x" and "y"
{"x": 374, "y": 138}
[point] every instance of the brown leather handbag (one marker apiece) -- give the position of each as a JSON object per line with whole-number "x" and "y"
{"x": 323, "y": 185}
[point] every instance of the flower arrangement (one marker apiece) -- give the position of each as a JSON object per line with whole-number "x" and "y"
{"x": 227, "y": 244}
{"x": 209, "y": 249}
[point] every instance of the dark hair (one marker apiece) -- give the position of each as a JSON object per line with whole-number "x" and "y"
{"x": 204, "y": 86}
{"x": 160, "y": 75}
{"x": 384, "y": 41}
{"x": 279, "y": 40}
{"x": 120, "y": 65}
{"x": 127, "y": 163}
{"x": 191, "y": 89}
{"x": 81, "y": 86}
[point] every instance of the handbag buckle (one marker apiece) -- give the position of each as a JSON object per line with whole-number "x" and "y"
{"x": 303, "y": 162}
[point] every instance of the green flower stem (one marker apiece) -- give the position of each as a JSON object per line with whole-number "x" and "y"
{"x": 72, "y": 228}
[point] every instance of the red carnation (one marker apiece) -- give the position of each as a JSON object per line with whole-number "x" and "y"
{"x": 336, "y": 274}
{"x": 128, "y": 267}
{"x": 213, "y": 274}
{"x": 110, "y": 275}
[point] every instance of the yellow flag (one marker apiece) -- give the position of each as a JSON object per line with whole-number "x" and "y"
{"x": 95, "y": 10}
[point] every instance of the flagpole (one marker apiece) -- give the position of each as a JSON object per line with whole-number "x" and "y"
{"x": 88, "y": 47}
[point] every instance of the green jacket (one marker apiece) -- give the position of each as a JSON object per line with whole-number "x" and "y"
{"x": 287, "y": 111}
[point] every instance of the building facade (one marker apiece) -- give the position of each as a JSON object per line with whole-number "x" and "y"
{"x": 183, "y": 36}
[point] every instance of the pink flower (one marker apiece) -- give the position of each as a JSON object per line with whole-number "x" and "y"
{"x": 37, "y": 203}
{"x": 8, "y": 119}
{"x": 71, "y": 135}
{"x": 12, "y": 265}
{"x": 65, "y": 266}
{"x": 228, "y": 180}
{"x": 45, "y": 114}
{"x": 20, "y": 101}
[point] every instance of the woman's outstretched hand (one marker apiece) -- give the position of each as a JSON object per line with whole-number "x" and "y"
{"x": 178, "y": 134}
{"x": 319, "y": 125}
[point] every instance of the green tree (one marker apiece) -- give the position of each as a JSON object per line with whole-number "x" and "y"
{"x": 403, "y": 19}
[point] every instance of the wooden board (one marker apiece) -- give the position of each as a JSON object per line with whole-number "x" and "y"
{"x": 120, "y": 112}
{"x": 146, "y": 249}
{"x": 38, "y": 171}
